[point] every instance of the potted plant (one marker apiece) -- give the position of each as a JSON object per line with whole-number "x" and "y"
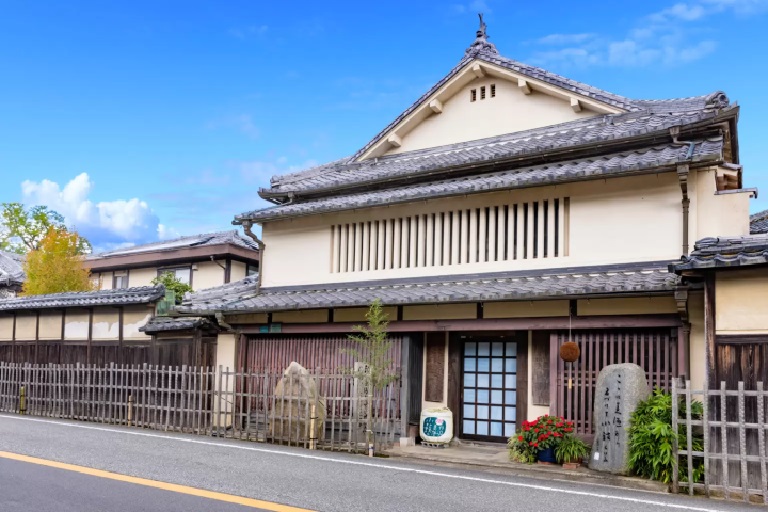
{"x": 537, "y": 439}
{"x": 570, "y": 451}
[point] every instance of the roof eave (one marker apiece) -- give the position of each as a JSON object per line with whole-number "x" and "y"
{"x": 591, "y": 148}
{"x": 702, "y": 162}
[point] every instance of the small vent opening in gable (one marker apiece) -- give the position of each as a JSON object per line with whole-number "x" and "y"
{"x": 473, "y": 95}
{"x": 493, "y": 90}
{"x": 482, "y": 93}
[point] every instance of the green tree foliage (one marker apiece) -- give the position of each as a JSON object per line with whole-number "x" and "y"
{"x": 56, "y": 265}
{"x": 373, "y": 348}
{"x": 22, "y": 230}
{"x": 171, "y": 282}
{"x": 651, "y": 437}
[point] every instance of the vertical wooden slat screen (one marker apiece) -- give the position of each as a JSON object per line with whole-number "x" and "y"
{"x": 653, "y": 350}
{"x": 274, "y": 354}
{"x": 506, "y": 232}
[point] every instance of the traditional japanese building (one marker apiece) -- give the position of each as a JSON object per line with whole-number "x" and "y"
{"x": 507, "y": 210}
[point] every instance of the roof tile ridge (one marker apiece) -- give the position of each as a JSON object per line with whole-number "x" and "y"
{"x": 586, "y": 86}
{"x": 281, "y": 179}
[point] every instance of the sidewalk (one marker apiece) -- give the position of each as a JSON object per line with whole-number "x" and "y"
{"x": 496, "y": 457}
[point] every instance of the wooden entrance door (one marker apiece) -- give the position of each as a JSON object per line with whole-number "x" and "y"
{"x": 489, "y": 389}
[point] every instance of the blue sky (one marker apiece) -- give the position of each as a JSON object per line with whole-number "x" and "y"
{"x": 143, "y": 119}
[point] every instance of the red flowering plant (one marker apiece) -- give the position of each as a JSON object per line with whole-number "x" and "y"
{"x": 537, "y": 435}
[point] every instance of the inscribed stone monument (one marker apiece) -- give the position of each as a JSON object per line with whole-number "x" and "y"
{"x": 620, "y": 387}
{"x": 296, "y": 398}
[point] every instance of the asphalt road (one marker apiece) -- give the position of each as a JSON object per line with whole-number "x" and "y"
{"x": 279, "y": 475}
{"x": 29, "y": 487}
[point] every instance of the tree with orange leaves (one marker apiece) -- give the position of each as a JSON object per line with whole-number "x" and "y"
{"x": 56, "y": 265}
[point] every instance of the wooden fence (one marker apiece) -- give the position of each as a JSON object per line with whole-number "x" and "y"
{"x": 169, "y": 398}
{"x": 733, "y": 425}
{"x": 338, "y": 415}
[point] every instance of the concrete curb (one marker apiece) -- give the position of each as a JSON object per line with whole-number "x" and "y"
{"x": 582, "y": 475}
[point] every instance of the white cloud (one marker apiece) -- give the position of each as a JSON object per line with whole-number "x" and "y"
{"x": 166, "y": 232}
{"x": 103, "y": 223}
{"x": 669, "y": 37}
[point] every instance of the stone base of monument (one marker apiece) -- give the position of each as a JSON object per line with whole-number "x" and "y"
{"x": 620, "y": 387}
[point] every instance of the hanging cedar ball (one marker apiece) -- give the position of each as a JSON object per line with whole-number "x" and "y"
{"x": 569, "y": 351}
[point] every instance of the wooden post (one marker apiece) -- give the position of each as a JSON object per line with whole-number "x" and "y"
{"x": 405, "y": 378}
{"x": 689, "y": 434}
{"x": 709, "y": 329}
{"x": 130, "y": 409}
{"x": 23, "y": 400}
{"x": 675, "y": 447}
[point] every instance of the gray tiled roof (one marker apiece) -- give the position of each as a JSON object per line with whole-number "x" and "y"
{"x": 740, "y": 251}
{"x": 629, "y": 279}
{"x": 625, "y": 163}
{"x": 499, "y": 151}
{"x": 207, "y": 239}
{"x": 117, "y": 297}
{"x": 758, "y": 222}
{"x": 173, "y": 323}
{"x": 11, "y": 270}
{"x": 488, "y": 53}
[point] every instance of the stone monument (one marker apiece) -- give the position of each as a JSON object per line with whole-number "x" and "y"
{"x": 620, "y": 387}
{"x": 296, "y": 399}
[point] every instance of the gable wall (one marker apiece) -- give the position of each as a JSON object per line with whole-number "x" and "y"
{"x": 510, "y": 111}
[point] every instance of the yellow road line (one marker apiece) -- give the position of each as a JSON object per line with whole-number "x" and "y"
{"x": 165, "y": 486}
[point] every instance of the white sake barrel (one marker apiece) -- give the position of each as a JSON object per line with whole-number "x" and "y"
{"x": 436, "y": 425}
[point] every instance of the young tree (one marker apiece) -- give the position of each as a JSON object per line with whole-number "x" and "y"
{"x": 171, "y": 282}
{"x": 22, "y": 230}
{"x": 373, "y": 348}
{"x": 56, "y": 265}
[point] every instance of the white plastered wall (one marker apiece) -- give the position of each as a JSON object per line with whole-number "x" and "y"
{"x": 236, "y": 271}
{"x": 741, "y": 299}
{"x": 611, "y": 221}
{"x": 208, "y": 275}
{"x": 142, "y": 276}
{"x": 509, "y": 111}
{"x": 226, "y": 349}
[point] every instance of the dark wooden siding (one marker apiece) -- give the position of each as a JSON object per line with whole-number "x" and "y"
{"x": 172, "y": 352}
{"x": 435, "y": 381}
{"x": 273, "y": 353}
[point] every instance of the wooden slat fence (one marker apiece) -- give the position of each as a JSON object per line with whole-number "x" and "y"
{"x": 172, "y": 398}
{"x": 259, "y": 411}
{"x": 207, "y": 401}
{"x": 734, "y": 426}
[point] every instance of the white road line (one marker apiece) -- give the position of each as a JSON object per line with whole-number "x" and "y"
{"x": 545, "y": 488}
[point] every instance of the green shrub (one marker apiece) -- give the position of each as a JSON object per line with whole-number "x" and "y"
{"x": 571, "y": 449}
{"x": 651, "y": 438}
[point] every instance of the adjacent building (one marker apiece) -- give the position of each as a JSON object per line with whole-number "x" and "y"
{"x": 11, "y": 274}
{"x": 201, "y": 261}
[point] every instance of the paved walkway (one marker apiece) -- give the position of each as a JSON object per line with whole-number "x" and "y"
{"x": 497, "y": 457}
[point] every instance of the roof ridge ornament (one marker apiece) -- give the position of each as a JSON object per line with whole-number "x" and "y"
{"x": 481, "y": 44}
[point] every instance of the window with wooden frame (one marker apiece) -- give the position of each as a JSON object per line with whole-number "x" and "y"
{"x": 120, "y": 280}
{"x": 183, "y": 274}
